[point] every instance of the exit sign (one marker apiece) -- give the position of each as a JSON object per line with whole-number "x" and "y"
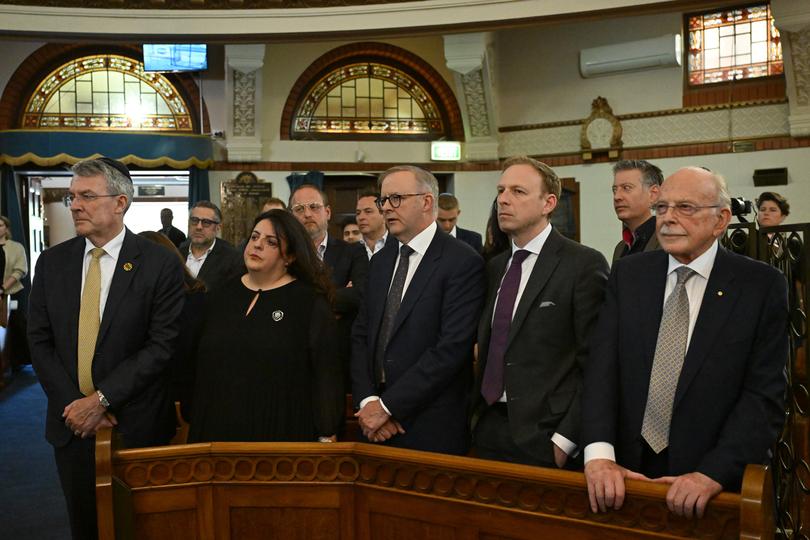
{"x": 445, "y": 151}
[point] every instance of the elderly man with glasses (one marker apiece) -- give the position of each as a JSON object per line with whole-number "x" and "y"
{"x": 208, "y": 258}
{"x": 347, "y": 263}
{"x": 685, "y": 382}
{"x": 103, "y": 321}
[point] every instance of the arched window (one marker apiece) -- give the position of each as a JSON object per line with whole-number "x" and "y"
{"x": 106, "y": 92}
{"x": 371, "y": 91}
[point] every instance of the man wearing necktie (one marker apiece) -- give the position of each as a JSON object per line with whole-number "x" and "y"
{"x": 103, "y": 322}
{"x": 685, "y": 382}
{"x": 412, "y": 342}
{"x": 543, "y": 298}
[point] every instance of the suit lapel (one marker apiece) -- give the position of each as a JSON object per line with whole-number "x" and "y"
{"x": 547, "y": 261}
{"x": 420, "y": 278}
{"x": 650, "y": 298}
{"x": 73, "y": 282}
{"x": 715, "y": 310}
{"x": 126, "y": 267}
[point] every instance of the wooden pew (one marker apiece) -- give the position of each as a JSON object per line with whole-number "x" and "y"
{"x": 360, "y": 491}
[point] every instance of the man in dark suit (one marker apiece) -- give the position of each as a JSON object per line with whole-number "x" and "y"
{"x": 544, "y": 296}
{"x": 635, "y": 189}
{"x": 170, "y": 231}
{"x": 448, "y": 221}
{"x": 209, "y": 259}
{"x": 104, "y": 314}
{"x": 412, "y": 343}
{"x": 685, "y": 381}
{"x": 347, "y": 263}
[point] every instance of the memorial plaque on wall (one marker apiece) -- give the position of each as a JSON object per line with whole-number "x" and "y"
{"x": 242, "y": 200}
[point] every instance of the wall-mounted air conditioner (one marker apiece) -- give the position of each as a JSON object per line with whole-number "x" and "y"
{"x": 664, "y": 51}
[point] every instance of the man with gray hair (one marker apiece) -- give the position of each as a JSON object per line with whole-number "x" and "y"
{"x": 685, "y": 381}
{"x": 104, "y": 312}
{"x": 635, "y": 189}
{"x": 412, "y": 341}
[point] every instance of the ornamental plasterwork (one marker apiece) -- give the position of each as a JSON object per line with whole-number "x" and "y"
{"x": 601, "y": 130}
{"x": 475, "y": 99}
{"x": 800, "y": 62}
{"x": 244, "y": 104}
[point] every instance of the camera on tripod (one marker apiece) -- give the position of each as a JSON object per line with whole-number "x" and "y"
{"x": 740, "y": 207}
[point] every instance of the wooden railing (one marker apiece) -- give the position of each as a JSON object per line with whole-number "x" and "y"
{"x": 360, "y": 491}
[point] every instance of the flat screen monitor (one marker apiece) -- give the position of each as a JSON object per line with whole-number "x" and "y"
{"x": 173, "y": 58}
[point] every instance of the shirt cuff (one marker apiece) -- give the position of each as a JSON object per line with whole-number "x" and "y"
{"x": 565, "y": 445}
{"x": 600, "y": 450}
{"x": 375, "y": 398}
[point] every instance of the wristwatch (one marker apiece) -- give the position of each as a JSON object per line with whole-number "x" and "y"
{"x": 102, "y": 399}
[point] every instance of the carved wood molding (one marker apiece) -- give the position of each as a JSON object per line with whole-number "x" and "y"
{"x": 554, "y": 493}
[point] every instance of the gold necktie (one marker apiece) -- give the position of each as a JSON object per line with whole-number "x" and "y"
{"x": 89, "y": 322}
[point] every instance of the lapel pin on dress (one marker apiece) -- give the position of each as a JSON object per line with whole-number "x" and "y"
{"x": 278, "y": 315}
{"x": 719, "y": 293}
{"x": 127, "y": 267}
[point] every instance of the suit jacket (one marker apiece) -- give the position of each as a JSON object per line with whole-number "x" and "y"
{"x": 470, "y": 237}
{"x": 728, "y": 401}
{"x": 224, "y": 262}
{"x": 547, "y": 345}
{"x": 135, "y": 344}
{"x": 650, "y": 243}
{"x": 347, "y": 263}
{"x": 175, "y": 235}
{"x": 429, "y": 357}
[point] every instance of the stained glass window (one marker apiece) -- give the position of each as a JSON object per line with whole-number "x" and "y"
{"x": 368, "y": 99}
{"x": 740, "y": 43}
{"x": 106, "y": 92}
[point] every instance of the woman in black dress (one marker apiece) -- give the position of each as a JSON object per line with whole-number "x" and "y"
{"x": 266, "y": 369}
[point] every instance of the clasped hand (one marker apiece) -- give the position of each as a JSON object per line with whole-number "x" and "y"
{"x": 377, "y": 425}
{"x": 85, "y": 416}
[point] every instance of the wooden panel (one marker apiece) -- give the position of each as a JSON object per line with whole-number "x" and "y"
{"x": 177, "y": 525}
{"x": 248, "y": 523}
{"x": 387, "y": 527}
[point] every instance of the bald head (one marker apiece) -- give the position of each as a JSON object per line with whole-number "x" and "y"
{"x": 692, "y": 211}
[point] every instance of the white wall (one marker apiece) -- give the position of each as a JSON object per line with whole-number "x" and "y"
{"x": 538, "y": 76}
{"x": 14, "y": 52}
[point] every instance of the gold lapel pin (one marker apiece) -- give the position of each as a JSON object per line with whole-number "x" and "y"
{"x": 127, "y": 267}
{"x": 719, "y": 293}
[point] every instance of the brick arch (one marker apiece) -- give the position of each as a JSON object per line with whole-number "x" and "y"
{"x": 44, "y": 60}
{"x": 382, "y": 53}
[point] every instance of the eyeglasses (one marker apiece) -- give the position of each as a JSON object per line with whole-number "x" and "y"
{"x": 301, "y": 208}
{"x": 395, "y": 200}
{"x": 84, "y": 197}
{"x": 205, "y": 222}
{"x": 682, "y": 209}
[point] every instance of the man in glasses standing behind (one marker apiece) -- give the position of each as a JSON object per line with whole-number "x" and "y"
{"x": 208, "y": 258}
{"x": 412, "y": 343}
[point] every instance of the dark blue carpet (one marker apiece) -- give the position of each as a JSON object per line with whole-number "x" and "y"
{"x": 31, "y": 503}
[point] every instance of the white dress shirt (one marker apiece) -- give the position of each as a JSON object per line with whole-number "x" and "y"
{"x": 193, "y": 263}
{"x": 695, "y": 288}
{"x": 321, "y": 248}
{"x": 419, "y": 244}
{"x": 107, "y": 263}
{"x": 378, "y": 245}
{"x": 454, "y": 233}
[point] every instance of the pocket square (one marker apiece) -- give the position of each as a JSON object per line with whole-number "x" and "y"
{"x": 547, "y": 303}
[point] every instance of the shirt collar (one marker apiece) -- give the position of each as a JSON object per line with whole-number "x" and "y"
{"x": 535, "y": 244}
{"x": 702, "y": 265}
{"x": 454, "y": 232}
{"x": 111, "y": 248}
{"x": 421, "y": 241}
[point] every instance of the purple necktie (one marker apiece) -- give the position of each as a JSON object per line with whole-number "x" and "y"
{"x": 492, "y": 385}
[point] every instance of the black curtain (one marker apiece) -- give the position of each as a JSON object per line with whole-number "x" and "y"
{"x": 198, "y": 186}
